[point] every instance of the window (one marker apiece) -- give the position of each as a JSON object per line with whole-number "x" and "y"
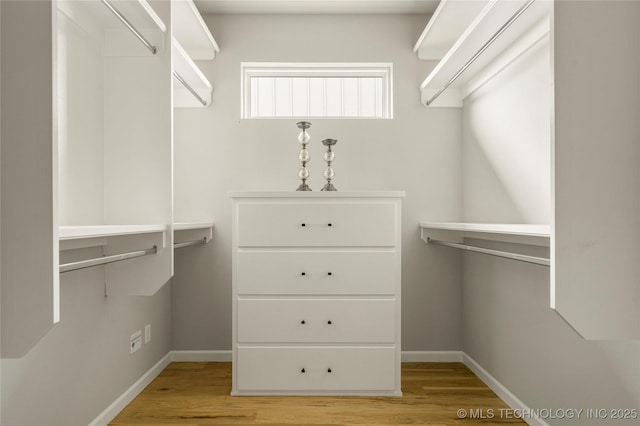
{"x": 311, "y": 90}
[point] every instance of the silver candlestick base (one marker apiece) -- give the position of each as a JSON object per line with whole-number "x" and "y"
{"x": 304, "y": 187}
{"x": 328, "y": 157}
{"x": 303, "y": 172}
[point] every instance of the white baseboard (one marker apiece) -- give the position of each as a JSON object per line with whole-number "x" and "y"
{"x": 505, "y": 394}
{"x": 201, "y": 356}
{"x": 432, "y": 356}
{"x": 123, "y": 400}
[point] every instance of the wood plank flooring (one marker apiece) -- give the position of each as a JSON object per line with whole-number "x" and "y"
{"x": 197, "y": 394}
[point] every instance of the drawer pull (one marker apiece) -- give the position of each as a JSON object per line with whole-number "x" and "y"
{"x": 303, "y": 322}
{"x": 330, "y": 273}
{"x": 303, "y": 274}
{"x": 303, "y": 371}
{"x": 329, "y": 322}
{"x": 329, "y": 224}
{"x": 328, "y": 370}
{"x": 304, "y": 224}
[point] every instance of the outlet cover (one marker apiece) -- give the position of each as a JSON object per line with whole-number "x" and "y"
{"x": 135, "y": 342}
{"x": 147, "y": 334}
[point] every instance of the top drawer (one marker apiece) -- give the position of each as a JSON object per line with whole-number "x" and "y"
{"x": 316, "y": 224}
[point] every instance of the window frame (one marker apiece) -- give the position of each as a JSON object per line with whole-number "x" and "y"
{"x": 382, "y": 70}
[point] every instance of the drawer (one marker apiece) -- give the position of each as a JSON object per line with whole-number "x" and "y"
{"x": 316, "y": 369}
{"x": 317, "y": 272}
{"x": 316, "y": 320}
{"x": 316, "y": 224}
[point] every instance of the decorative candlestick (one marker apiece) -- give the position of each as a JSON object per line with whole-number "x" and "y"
{"x": 303, "y": 138}
{"x": 328, "y": 157}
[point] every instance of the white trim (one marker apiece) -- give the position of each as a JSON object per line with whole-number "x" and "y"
{"x": 201, "y": 356}
{"x": 503, "y": 393}
{"x": 432, "y": 356}
{"x": 129, "y": 395}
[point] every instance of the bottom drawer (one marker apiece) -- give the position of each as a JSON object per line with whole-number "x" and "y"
{"x": 315, "y": 369}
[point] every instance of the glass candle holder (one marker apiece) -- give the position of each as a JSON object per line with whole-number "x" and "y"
{"x": 304, "y": 157}
{"x": 329, "y": 155}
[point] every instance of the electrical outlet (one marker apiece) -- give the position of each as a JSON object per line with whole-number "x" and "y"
{"x": 147, "y": 334}
{"x": 135, "y": 342}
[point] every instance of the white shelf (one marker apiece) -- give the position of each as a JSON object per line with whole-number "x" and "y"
{"x": 184, "y": 66}
{"x": 449, "y": 20}
{"x": 78, "y": 237}
{"x": 116, "y": 39}
{"x": 524, "y": 32}
{"x": 505, "y": 232}
{"x": 100, "y": 231}
{"x": 192, "y": 232}
{"x": 183, "y": 226}
{"x": 191, "y": 31}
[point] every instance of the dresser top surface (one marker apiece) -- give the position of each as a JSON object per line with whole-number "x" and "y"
{"x": 316, "y": 194}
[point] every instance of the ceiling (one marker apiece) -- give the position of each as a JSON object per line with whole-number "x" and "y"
{"x": 318, "y": 6}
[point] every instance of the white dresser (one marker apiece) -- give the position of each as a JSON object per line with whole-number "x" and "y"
{"x": 316, "y": 293}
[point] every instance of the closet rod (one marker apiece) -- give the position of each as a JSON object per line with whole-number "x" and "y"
{"x": 126, "y": 22}
{"x": 481, "y": 51}
{"x": 189, "y": 88}
{"x": 514, "y": 256}
{"x": 190, "y": 243}
{"x": 66, "y": 267}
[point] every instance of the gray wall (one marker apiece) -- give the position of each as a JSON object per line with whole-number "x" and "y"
{"x": 83, "y": 364}
{"x": 509, "y": 328}
{"x": 215, "y": 152}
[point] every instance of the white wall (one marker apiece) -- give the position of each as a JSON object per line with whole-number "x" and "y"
{"x": 215, "y": 152}
{"x": 83, "y": 363}
{"x": 596, "y": 173}
{"x": 509, "y": 328}
{"x": 506, "y": 148}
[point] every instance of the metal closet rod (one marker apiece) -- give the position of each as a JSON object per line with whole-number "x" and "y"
{"x": 190, "y": 243}
{"x": 66, "y": 267}
{"x": 481, "y": 51}
{"x": 514, "y": 256}
{"x": 189, "y": 88}
{"x": 128, "y": 24}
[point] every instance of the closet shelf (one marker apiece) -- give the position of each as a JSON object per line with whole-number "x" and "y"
{"x": 121, "y": 25}
{"x": 447, "y": 23}
{"x": 117, "y": 242}
{"x": 182, "y": 226}
{"x": 538, "y": 235}
{"x": 191, "y": 31}
{"x": 191, "y": 87}
{"x": 99, "y": 231}
{"x": 192, "y": 233}
{"x": 481, "y": 49}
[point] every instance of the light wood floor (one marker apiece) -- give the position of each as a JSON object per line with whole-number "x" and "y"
{"x": 197, "y": 393}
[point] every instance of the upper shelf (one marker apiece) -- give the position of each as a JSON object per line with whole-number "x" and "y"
{"x": 76, "y": 237}
{"x": 506, "y": 232}
{"x": 184, "y": 226}
{"x": 191, "y": 87}
{"x": 115, "y": 24}
{"x": 449, "y": 20}
{"x": 482, "y": 48}
{"x": 191, "y": 31}
{"x": 98, "y": 231}
{"x": 192, "y": 233}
